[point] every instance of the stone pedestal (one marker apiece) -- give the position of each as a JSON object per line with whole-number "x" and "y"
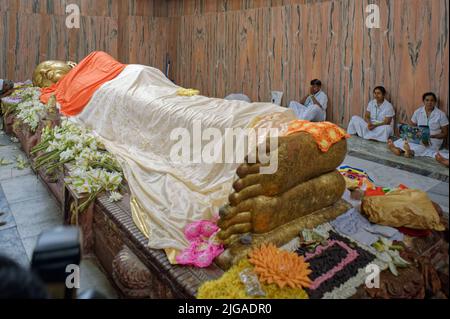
{"x": 27, "y": 138}
{"x": 134, "y": 279}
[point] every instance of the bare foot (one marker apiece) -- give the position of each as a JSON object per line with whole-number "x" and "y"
{"x": 394, "y": 149}
{"x": 408, "y": 152}
{"x": 441, "y": 159}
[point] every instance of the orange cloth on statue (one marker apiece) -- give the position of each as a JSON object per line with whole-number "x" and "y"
{"x": 324, "y": 133}
{"x": 74, "y": 91}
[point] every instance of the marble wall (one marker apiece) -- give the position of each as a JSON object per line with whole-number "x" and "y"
{"x": 33, "y": 31}
{"x": 198, "y": 7}
{"x": 283, "y": 47}
{"x": 249, "y": 46}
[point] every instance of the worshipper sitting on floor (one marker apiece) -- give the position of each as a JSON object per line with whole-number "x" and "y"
{"x": 6, "y": 88}
{"x": 430, "y": 117}
{"x": 378, "y": 121}
{"x": 312, "y": 107}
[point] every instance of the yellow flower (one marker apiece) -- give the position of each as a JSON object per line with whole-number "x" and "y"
{"x": 230, "y": 286}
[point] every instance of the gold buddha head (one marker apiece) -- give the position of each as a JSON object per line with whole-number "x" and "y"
{"x": 50, "y": 72}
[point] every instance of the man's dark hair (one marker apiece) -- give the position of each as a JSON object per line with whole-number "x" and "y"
{"x": 381, "y": 89}
{"x": 17, "y": 282}
{"x": 316, "y": 82}
{"x": 429, "y": 94}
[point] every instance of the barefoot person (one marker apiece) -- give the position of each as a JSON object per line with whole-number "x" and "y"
{"x": 426, "y": 116}
{"x": 312, "y": 107}
{"x": 377, "y": 124}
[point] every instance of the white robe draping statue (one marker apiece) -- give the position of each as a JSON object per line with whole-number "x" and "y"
{"x": 134, "y": 116}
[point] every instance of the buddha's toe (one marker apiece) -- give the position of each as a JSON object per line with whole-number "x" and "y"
{"x": 246, "y": 193}
{"x": 235, "y": 229}
{"x": 240, "y": 218}
{"x": 248, "y": 169}
{"x": 247, "y": 181}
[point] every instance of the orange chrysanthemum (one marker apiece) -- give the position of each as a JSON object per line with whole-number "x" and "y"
{"x": 280, "y": 267}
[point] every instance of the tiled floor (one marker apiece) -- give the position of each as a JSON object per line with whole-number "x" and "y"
{"x": 28, "y": 209}
{"x": 378, "y": 152}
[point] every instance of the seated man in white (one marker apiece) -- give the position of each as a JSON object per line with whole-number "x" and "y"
{"x": 313, "y": 107}
{"x": 378, "y": 122}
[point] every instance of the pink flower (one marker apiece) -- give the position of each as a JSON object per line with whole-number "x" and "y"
{"x": 192, "y": 231}
{"x": 200, "y": 229}
{"x": 202, "y": 250}
{"x": 207, "y": 229}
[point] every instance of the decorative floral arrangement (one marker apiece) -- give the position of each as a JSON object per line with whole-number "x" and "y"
{"x": 21, "y": 94}
{"x": 93, "y": 182}
{"x": 24, "y": 93}
{"x": 93, "y": 170}
{"x": 203, "y": 248}
{"x": 351, "y": 256}
{"x": 12, "y": 100}
{"x": 280, "y": 267}
{"x": 230, "y": 286}
{"x": 19, "y": 85}
{"x": 31, "y": 111}
{"x": 338, "y": 266}
{"x": 25, "y": 102}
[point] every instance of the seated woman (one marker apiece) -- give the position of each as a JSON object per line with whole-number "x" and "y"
{"x": 377, "y": 124}
{"x": 313, "y": 107}
{"x": 6, "y": 88}
{"x": 427, "y": 115}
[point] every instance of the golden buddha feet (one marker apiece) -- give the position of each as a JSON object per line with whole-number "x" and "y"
{"x": 299, "y": 160}
{"x": 261, "y": 214}
{"x": 306, "y": 181}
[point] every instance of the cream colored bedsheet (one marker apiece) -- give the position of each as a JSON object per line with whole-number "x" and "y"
{"x": 134, "y": 116}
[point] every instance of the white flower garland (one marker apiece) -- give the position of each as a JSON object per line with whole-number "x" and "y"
{"x": 93, "y": 170}
{"x": 31, "y": 110}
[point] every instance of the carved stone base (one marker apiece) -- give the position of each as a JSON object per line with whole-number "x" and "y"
{"x": 27, "y": 139}
{"x": 8, "y": 122}
{"x": 281, "y": 235}
{"x": 134, "y": 279}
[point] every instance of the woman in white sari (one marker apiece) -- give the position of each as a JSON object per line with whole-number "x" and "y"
{"x": 428, "y": 115}
{"x": 377, "y": 124}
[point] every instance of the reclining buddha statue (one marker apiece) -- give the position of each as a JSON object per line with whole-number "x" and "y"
{"x": 145, "y": 120}
{"x": 50, "y": 72}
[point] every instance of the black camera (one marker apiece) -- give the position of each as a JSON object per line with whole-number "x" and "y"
{"x": 56, "y": 260}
